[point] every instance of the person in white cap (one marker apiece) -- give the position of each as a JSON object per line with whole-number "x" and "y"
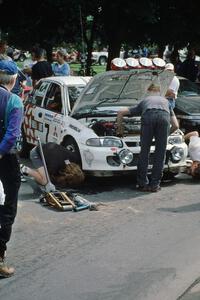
{"x": 171, "y": 95}
{"x": 172, "y": 91}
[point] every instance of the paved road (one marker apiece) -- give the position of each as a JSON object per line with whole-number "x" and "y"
{"x": 137, "y": 246}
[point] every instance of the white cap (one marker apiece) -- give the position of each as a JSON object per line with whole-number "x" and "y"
{"x": 169, "y": 66}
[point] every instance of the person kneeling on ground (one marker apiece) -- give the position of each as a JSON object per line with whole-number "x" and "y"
{"x": 62, "y": 166}
{"x": 194, "y": 153}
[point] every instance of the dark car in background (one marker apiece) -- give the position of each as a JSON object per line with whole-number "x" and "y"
{"x": 188, "y": 105}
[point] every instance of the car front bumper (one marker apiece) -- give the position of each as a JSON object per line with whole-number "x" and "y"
{"x": 100, "y": 161}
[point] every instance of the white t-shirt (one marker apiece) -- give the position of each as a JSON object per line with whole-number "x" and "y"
{"x": 174, "y": 85}
{"x": 194, "y": 148}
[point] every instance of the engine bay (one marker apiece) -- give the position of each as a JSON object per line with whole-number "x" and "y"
{"x": 103, "y": 127}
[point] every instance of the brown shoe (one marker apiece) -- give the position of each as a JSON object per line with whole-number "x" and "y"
{"x": 143, "y": 188}
{"x": 6, "y": 271}
{"x": 154, "y": 189}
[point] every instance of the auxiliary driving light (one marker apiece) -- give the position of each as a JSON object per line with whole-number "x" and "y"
{"x": 177, "y": 154}
{"x": 125, "y": 156}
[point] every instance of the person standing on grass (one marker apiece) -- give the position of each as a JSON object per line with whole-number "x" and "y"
{"x": 42, "y": 68}
{"x": 61, "y": 67}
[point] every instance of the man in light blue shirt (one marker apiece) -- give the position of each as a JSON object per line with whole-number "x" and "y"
{"x": 61, "y": 67}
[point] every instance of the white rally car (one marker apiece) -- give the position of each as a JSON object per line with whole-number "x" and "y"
{"x": 89, "y": 130}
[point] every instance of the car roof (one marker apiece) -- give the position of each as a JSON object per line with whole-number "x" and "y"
{"x": 69, "y": 80}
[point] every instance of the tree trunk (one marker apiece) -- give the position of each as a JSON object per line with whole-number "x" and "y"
{"x": 114, "y": 47}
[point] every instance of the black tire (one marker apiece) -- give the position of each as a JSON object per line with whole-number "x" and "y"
{"x": 168, "y": 176}
{"x": 70, "y": 144}
{"x": 102, "y": 60}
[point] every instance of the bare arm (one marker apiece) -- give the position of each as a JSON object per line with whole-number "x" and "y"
{"x": 189, "y": 134}
{"x": 174, "y": 123}
{"x": 120, "y": 115}
{"x": 170, "y": 94}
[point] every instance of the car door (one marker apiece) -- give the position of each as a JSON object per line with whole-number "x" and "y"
{"x": 53, "y": 106}
{"x": 34, "y": 113}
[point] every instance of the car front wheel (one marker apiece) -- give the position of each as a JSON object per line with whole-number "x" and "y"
{"x": 70, "y": 144}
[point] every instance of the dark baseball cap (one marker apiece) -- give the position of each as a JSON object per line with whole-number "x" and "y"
{"x": 8, "y": 67}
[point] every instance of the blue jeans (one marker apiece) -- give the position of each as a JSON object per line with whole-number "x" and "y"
{"x": 154, "y": 124}
{"x": 10, "y": 177}
{"x": 171, "y": 103}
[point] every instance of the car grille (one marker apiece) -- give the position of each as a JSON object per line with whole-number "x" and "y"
{"x": 115, "y": 162}
{"x": 136, "y": 144}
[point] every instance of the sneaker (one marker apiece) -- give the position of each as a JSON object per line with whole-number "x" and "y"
{"x": 23, "y": 170}
{"x": 6, "y": 271}
{"x": 23, "y": 179}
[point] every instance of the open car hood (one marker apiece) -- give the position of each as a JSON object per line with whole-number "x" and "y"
{"x": 120, "y": 88}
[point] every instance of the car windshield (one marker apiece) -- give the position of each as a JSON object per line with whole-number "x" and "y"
{"x": 118, "y": 88}
{"x": 188, "y": 88}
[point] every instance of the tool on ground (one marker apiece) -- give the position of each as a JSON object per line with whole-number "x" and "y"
{"x": 61, "y": 200}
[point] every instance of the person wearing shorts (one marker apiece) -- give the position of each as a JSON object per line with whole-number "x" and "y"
{"x": 62, "y": 165}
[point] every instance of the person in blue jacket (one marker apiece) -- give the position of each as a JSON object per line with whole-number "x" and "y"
{"x": 11, "y": 116}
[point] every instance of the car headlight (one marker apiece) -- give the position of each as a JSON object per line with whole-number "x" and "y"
{"x": 177, "y": 154}
{"x": 175, "y": 139}
{"x": 104, "y": 142}
{"x": 125, "y": 156}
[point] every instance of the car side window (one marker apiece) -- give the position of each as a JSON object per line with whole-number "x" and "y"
{"x": 74, "y": 92}
{"x": 53, "y": 99}
{"x": 38, "y": 93}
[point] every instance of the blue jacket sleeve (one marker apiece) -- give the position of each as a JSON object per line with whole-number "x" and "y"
{"x": 66, "y": 70}
{"x": 14, "y": 119}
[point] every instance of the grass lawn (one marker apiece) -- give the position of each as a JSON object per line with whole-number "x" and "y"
{"x": 75, "y": 67}
{"x": 96, "y": 68}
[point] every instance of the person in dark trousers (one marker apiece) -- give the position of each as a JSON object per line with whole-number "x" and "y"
{"x": 42, "y": 68}
{"x": 155, "y": 123}
{"x": 11, "y": 115}
{"x": 62, "y": 165}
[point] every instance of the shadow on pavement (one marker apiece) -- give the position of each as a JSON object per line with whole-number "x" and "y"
{"x": 182, "y": 209}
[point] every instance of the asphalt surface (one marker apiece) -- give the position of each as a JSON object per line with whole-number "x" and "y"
{"x": 137, "y": 246}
